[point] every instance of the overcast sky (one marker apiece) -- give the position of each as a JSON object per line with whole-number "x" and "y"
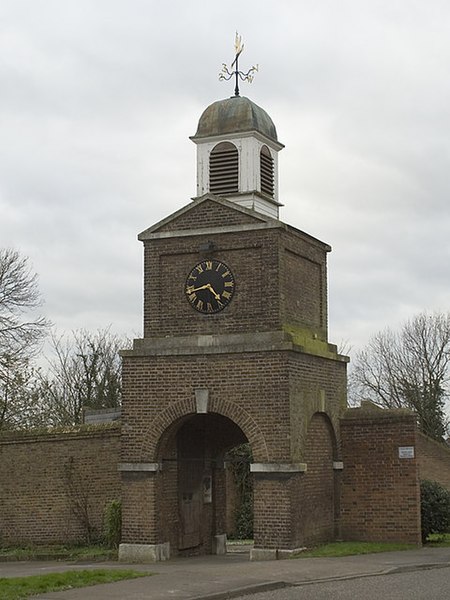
{"x": 98, "y": 99}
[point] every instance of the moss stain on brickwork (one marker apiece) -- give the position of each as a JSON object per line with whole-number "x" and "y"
{"x": 304, "y": 338}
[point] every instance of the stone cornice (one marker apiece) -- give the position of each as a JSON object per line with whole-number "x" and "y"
{"x": 269, "y": 341}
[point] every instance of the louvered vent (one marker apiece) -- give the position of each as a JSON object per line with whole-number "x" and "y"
{"x": 224, "y": 169}
{"x": 267, "y": 186}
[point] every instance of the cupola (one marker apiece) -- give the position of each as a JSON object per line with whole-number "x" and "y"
{"x": 237, "y": 155}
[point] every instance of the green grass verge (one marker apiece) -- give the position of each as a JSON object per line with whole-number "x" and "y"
{"x": 337, "y": 549}
{"x": 20, "y": 588}
{"x": 58, "y": 552}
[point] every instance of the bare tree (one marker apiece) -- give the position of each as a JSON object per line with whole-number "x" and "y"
{"x": 79, "y": 495}
{"x": 84, "y": 372}
{"x": 20, "y": 395}
{"x": 408, "y": 369}
{"x": 21, "y": 332}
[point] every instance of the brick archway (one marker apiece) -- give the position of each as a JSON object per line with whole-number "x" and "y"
{"x": 184, "y": 408}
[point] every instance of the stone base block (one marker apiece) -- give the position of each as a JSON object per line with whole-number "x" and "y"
{"x": 263, "y": 554}
{"x": 219, "y": 545}
{"x": 272, "y": 553}
{"x": 144, "y": 553}
{"x": 288, "y": 553}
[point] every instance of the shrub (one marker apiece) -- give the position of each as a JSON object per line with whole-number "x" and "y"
{"x": 435, "y": 508}
{"x": 244, "y": 520}
{"x": 239, "y": 459}
{"x": 113, "y": 523}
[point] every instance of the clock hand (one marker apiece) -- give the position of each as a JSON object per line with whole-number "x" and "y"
{"x": 206, "y": 286}
{"x": 202, "y": 287}
{"x": 213, "y": 291}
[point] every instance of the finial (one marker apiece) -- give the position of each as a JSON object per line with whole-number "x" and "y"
{"x": 226, "y": 74}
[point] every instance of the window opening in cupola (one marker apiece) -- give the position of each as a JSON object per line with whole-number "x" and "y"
{"x": 266, "y": 161}
{"x": 224, "y": 169}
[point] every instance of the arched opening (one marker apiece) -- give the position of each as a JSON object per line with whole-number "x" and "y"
{"x": 194, "y": 490}
{"x": 318, "y": 502}
{"x": 224, "y": 169}
{"x": 267, "y": 176}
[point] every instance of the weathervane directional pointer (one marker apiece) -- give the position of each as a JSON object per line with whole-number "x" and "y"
{"x": 226, "y": 74}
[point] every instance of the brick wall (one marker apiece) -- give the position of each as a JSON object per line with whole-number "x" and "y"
{"x": 434, "y": 460}
{"x": 303, "y": 278}
{"x": 380, "y": 491}
{"x": 251, "y": 389}
{"x": 42, "y": 476}
{"x": 253, "y": 260}
{"x": 317, "y": 385}
{"x": 139, "y": 501}
{"x": 280, "y": 276}
{"x": 208, "y": 214}
{"x": 275, "y": 502}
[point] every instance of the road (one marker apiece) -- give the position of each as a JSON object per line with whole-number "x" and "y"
{"x": 425, "y": 584}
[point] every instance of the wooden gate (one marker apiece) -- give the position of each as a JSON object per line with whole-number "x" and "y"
{"x": 191, "y": 463}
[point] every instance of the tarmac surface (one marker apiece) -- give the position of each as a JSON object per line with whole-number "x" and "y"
{"x": 228, "y": 576}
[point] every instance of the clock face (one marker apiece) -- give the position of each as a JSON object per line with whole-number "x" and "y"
{"x": 210, "y": 286}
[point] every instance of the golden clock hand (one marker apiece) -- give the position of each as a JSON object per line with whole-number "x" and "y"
{"x": 211, "y": 289}
{"x": 202, "y": 287}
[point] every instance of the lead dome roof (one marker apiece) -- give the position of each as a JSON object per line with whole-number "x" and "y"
{"x": 235, "y": 115}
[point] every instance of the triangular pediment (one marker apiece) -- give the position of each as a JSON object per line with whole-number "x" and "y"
{"x": 207, "y": 213}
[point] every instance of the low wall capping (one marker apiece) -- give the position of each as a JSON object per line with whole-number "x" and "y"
{"x": 278, "y": 468}
{"x": 444, "y": 446}
{"x": 363, "y": 414}
{"x": 60, "y": 434}
{"x": 136, "y": 467}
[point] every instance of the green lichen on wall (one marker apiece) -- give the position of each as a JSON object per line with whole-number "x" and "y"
{"x": 310, "y": 343}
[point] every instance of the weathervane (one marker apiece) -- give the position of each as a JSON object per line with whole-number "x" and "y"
{"x": 226, "y": 74}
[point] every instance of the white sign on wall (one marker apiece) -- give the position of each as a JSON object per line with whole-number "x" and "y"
{"x": 406, "y": 452}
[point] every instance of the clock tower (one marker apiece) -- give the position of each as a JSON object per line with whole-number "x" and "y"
{"x": 235, "y": 350}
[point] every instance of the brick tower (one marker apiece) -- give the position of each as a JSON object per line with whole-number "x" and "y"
{"x": 235, "y": 350}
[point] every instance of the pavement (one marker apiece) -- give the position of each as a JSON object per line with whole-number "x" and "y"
{"x": 228, "y": 576}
